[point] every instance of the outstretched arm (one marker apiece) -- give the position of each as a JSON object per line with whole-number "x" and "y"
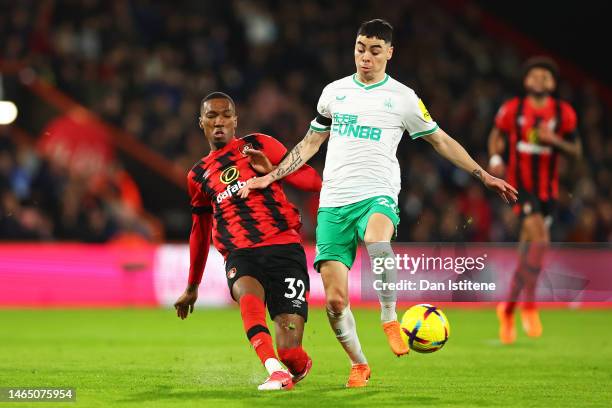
{"x": 450, "y": 149}
{"x": 297, "y": 157}
{"x": 272, "y": 152}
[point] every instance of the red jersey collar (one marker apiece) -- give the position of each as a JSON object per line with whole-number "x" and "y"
{"x": 224, "y": 149}
{"x": 547, "y": 104}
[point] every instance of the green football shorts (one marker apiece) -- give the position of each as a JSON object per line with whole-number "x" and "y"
{"x": 339, "y": 229}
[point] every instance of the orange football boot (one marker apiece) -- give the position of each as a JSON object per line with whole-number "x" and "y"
{"x": 531, "y": 322}
{"x": 394, "y": 337}
{"x": 507, "y": 332}
{"x": 359, "y": 376}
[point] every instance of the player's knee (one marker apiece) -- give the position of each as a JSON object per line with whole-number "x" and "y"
{"x": 336, "y": 303}
{"x": 289, "y": 330}
{"x": 540, "y": 238}
{"x": 535, "y": 228}
{"x": 539, "y": 232}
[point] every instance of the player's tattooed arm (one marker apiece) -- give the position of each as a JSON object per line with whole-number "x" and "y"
{"x": 296, "y": 158}
{"x": 450, "y": 149}
{"x": 300, "y": 154}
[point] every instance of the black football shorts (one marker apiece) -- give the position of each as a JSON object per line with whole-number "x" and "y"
{"x": 529, "y": 203}
{"x": 281, "y": 270}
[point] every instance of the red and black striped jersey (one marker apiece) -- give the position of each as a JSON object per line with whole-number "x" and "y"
{"x": 265, "y": 217}
{"x": 533, "y": 166}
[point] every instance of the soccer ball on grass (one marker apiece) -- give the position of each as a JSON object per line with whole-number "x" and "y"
{"x": 425, "y": 328}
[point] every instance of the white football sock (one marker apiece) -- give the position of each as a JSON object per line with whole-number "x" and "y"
{"x": 387, "y": 311}
{"x": 379, "y": 252}
{"x": 273, "y": 365}
{"x": 344, "y": 326}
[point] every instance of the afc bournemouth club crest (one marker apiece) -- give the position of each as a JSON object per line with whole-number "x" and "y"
{"x": 231, "y": 273}
{"x": 246, "y": 148}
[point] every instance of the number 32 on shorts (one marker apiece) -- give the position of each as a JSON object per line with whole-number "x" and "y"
{"x": 293, "y": 285}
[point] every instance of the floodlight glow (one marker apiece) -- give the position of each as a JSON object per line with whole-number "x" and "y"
{"x": 8, "y": 112}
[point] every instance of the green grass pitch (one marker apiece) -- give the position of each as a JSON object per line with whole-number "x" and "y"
{"x": 149, "y": 358}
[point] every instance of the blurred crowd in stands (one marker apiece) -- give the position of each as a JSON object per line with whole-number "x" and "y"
{"x": 43, "y": 199}
{"x": 144, "y": 66}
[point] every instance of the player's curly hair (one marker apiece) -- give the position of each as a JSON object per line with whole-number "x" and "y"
{"x": 541, "y": 62}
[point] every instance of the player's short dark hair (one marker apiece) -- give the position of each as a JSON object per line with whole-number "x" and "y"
{"x": 217, "y": 95}
{"x": 541, "y": 62}
{"x": 378, "y": 28}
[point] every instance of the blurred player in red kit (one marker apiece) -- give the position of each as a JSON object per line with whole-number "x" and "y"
{"x": 531, "y": 130}
{"x": 258, "y": 237}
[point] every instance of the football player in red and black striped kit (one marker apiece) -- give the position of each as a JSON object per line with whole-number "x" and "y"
{"x": 258, "y": 237}
{"x": 532, "y": 130}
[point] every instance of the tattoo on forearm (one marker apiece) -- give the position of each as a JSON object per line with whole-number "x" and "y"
{"x": 293, "y": 161}
{"x": 477, "y": 173}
